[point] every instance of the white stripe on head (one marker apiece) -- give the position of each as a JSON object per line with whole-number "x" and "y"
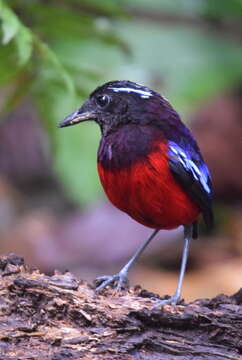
{"x": 145, "y": 94}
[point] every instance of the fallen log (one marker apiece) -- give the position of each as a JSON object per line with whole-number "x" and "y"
{"x": 60, "y": 317}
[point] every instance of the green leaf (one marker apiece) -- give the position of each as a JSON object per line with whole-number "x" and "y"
{"x": 24, "y": 43}
{"x": 13, "y": 29}
{"x": 8, "y": 68}
{"x": 49, "y": 55}
{"x": 10, "y": 23}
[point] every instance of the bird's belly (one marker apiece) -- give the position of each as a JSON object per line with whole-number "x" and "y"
{"x": 148, "y": 192}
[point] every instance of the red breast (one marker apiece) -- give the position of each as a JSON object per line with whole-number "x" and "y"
{"x": 148, "y": 192}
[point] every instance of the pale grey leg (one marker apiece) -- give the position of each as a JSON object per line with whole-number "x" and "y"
{"x": 176, "y": 297}
{"x": 122, "y": 277}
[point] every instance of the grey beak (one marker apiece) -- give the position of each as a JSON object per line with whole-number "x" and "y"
{"x": 76, "y": 117}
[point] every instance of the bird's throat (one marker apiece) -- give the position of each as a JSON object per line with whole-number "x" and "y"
{"x": 128, "y": 145}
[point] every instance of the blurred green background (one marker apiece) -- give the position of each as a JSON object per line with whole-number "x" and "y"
{"x": 52, "y": 54}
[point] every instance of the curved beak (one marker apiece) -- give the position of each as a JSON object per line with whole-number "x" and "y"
{"x": 76, "y": 117}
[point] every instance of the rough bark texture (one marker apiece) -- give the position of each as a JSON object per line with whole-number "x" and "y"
{"x": 61, "y": 318}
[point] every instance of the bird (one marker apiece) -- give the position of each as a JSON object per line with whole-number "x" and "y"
{"x": 149, "y": 165}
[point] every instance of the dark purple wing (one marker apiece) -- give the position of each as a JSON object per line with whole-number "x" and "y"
{"x": 191, "y": 172}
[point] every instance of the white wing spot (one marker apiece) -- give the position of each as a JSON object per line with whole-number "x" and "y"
{"x": 191, "y": 166}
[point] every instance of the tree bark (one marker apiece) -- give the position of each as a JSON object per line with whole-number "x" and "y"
{"x": 59, "y": 317}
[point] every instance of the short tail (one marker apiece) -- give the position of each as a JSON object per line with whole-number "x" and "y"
{"x": 208, "y": 218}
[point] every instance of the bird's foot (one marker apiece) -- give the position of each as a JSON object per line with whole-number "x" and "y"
{"x": 119, "y": 281}
{"x": 173, "y": 300}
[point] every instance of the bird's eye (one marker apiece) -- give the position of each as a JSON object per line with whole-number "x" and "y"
{"x": 103, "y": 100}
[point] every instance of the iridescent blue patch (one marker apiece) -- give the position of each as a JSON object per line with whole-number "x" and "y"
{"x": 197, "y": 168}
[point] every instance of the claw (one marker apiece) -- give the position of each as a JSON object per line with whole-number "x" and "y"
{"x": 103, "y": 281}
{"x": 173, "y": 300}
{"x": 118, "y": 280}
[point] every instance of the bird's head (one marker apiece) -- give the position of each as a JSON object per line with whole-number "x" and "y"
{"x": 118, "y": 103}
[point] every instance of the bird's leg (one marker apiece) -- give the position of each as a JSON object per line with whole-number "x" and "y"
{"x": 176, "y": 297}
{"x": 120, "y": 279}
